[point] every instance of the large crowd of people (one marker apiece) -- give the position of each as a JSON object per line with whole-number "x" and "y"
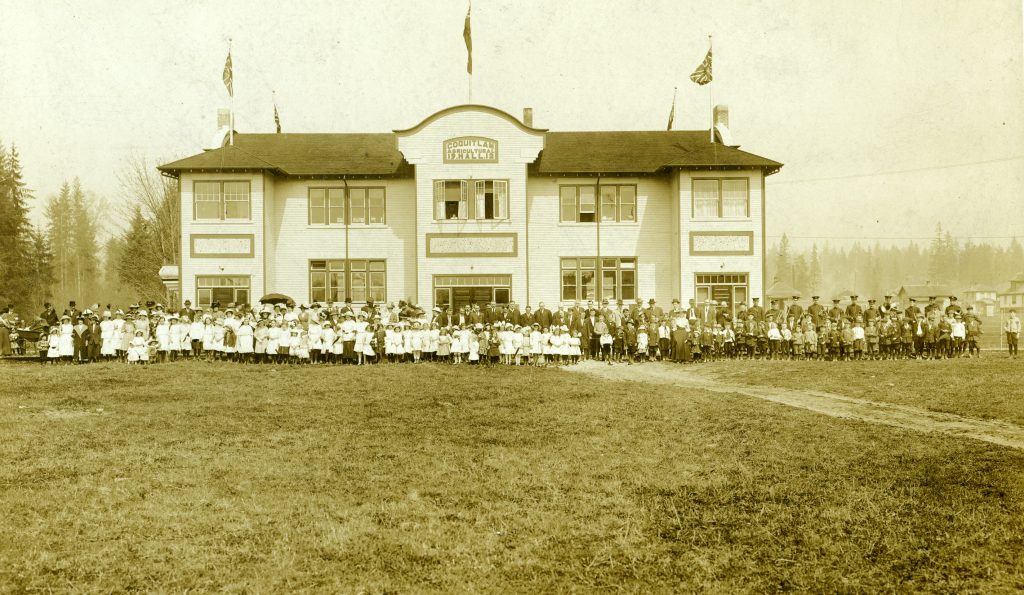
{"x": 608, "y": 331}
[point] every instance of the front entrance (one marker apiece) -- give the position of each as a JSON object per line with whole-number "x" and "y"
{"x": 729, "y": 289}
{"x": 456, "y": 291}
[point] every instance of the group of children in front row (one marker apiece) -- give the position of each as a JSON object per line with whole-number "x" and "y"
{"x": 357, "y": 340}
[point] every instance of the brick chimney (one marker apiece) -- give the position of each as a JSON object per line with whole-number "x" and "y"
{"x": 721, "y": 115}
{"x": 722, "y": 132}
{"x": 528, "y": 116}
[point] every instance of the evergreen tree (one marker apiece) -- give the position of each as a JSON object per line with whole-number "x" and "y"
{"x": 801, "y": 274}
{"x": 139, "y": 259}
{"x": 41, "y": 271}
{"x": 85, "y": 245}
{"x": 783, "y": 270}
{"x": 15, "y": 281}
{"x": 58, "y": 232}
{"x": 814, "y": 273}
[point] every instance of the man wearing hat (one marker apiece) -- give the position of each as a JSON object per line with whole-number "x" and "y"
{"x": 95, "y": 338}
{"x": 854, "y": 311}
{"x": 654, "y": 311}
{"x": 795, "y": 310}
{"x": 81, "y": 337}
{"x": 932, "y": 306}
{"x": 953, "y": 308}
{"x": 887, "y": 306}
{"x": 871, "y": 313}
{"x": 835, "y": 313}
{"x": 49, "y": 316}
{"x": 816, "y": 311}
{"x": 913, "y": 311}
{"x": 756, "y": 311}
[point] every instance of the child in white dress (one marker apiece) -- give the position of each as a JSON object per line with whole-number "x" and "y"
{"x": 53, "y": 345}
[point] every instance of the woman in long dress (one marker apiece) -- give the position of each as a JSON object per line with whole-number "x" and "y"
{"x": 681, "y": 343}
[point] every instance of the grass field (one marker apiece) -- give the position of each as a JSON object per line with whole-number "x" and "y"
{"x": 986, "y": 388}
{"x": 430, "y": 478}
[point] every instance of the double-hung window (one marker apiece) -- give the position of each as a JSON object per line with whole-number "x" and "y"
{"x": 470, "y": 199}
{"x": 580, "y": 203}
{"x": 715, "y": 198}
{"x": 364, "y": 206}
{"x": 220, "y": 200}
{"x": 337, "y": 280}
{"x": 586, "y": 278}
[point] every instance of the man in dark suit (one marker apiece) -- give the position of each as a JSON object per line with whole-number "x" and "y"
{"x": 543, "y": 316}
{"x": 654, "y": 311}
{"x": 95, "y": 338}
{"x": 513, "y": 314}
{"x": 795, "y": 309}
{"x": 49, "y": 316}
{"x": 80, "y": 335}
{"x": 913, "y": 311}
{"x": 527, "y": 318}
{"x": 817, "y": 311}
{"x": 835, "y": 314}
{"x": 756, "y": 311}
{"x": 854, "y": 311}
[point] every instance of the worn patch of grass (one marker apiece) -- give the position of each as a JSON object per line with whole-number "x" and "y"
{"x": 431, "y": 478}
{"x": 987, "y": 388}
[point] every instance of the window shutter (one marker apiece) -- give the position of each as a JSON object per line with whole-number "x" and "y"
{"x": 481, "y": 198}
{"x": 438, "y": 199}
{"x": 501, "y": 198}
{"x": 464, "y": 203}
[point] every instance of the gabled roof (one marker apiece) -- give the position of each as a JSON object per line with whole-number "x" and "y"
{"x": 647, "y": 151}
{"x": 926, "y": 290}
{"x": 564, "y": 153}
{"x": 303, "y": 154}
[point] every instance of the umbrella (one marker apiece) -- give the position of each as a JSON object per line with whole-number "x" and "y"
{"x": 277, "y": 298}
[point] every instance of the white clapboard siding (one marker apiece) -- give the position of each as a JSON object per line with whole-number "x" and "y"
{"x": 193, "y": 267}
{"x": 649, "y": 239}
{"x": 692, "y": 265}
{"x": 296, "y": 242}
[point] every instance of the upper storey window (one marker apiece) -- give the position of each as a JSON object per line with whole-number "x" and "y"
{"x": 580, "y": 204}
{"x": 215, "y": 201}
{"x": 720, "y": 198}
{"x": 456, "y": 200}
{"x": 364, "y": 206}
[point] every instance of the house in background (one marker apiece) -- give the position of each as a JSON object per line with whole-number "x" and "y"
{"x": 923, "y": 294}
{"x": 983, "y": 299}
{"x": 1012, "y": 298}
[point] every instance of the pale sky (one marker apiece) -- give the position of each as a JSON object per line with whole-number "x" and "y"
{"x": 890, "y": 116}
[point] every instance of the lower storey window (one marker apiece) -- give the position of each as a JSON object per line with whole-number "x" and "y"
{"x": 338, "y": 280}
{"x": 729, "y": 288}
{"x": 222, "y": 290}
{"x": 588, "y": 278}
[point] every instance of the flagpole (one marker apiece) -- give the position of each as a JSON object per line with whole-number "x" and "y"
{"x": 231, "y": 102}
{"x": 711, "y": 100}
{"x": 467, "y": 32}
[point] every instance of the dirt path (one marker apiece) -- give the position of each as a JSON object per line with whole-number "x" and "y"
{"x": 901, "y": 416}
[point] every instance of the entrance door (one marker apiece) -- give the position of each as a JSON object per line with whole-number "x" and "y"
{"x": 463, "y": 296}
{"x": 456, "y": 291}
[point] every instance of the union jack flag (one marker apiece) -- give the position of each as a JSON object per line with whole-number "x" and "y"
{"x": 702, "y": 75}
{"x": 229, "y": 80}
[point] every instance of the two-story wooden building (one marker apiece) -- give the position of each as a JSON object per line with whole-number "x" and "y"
{"x": 474, "y": 205}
